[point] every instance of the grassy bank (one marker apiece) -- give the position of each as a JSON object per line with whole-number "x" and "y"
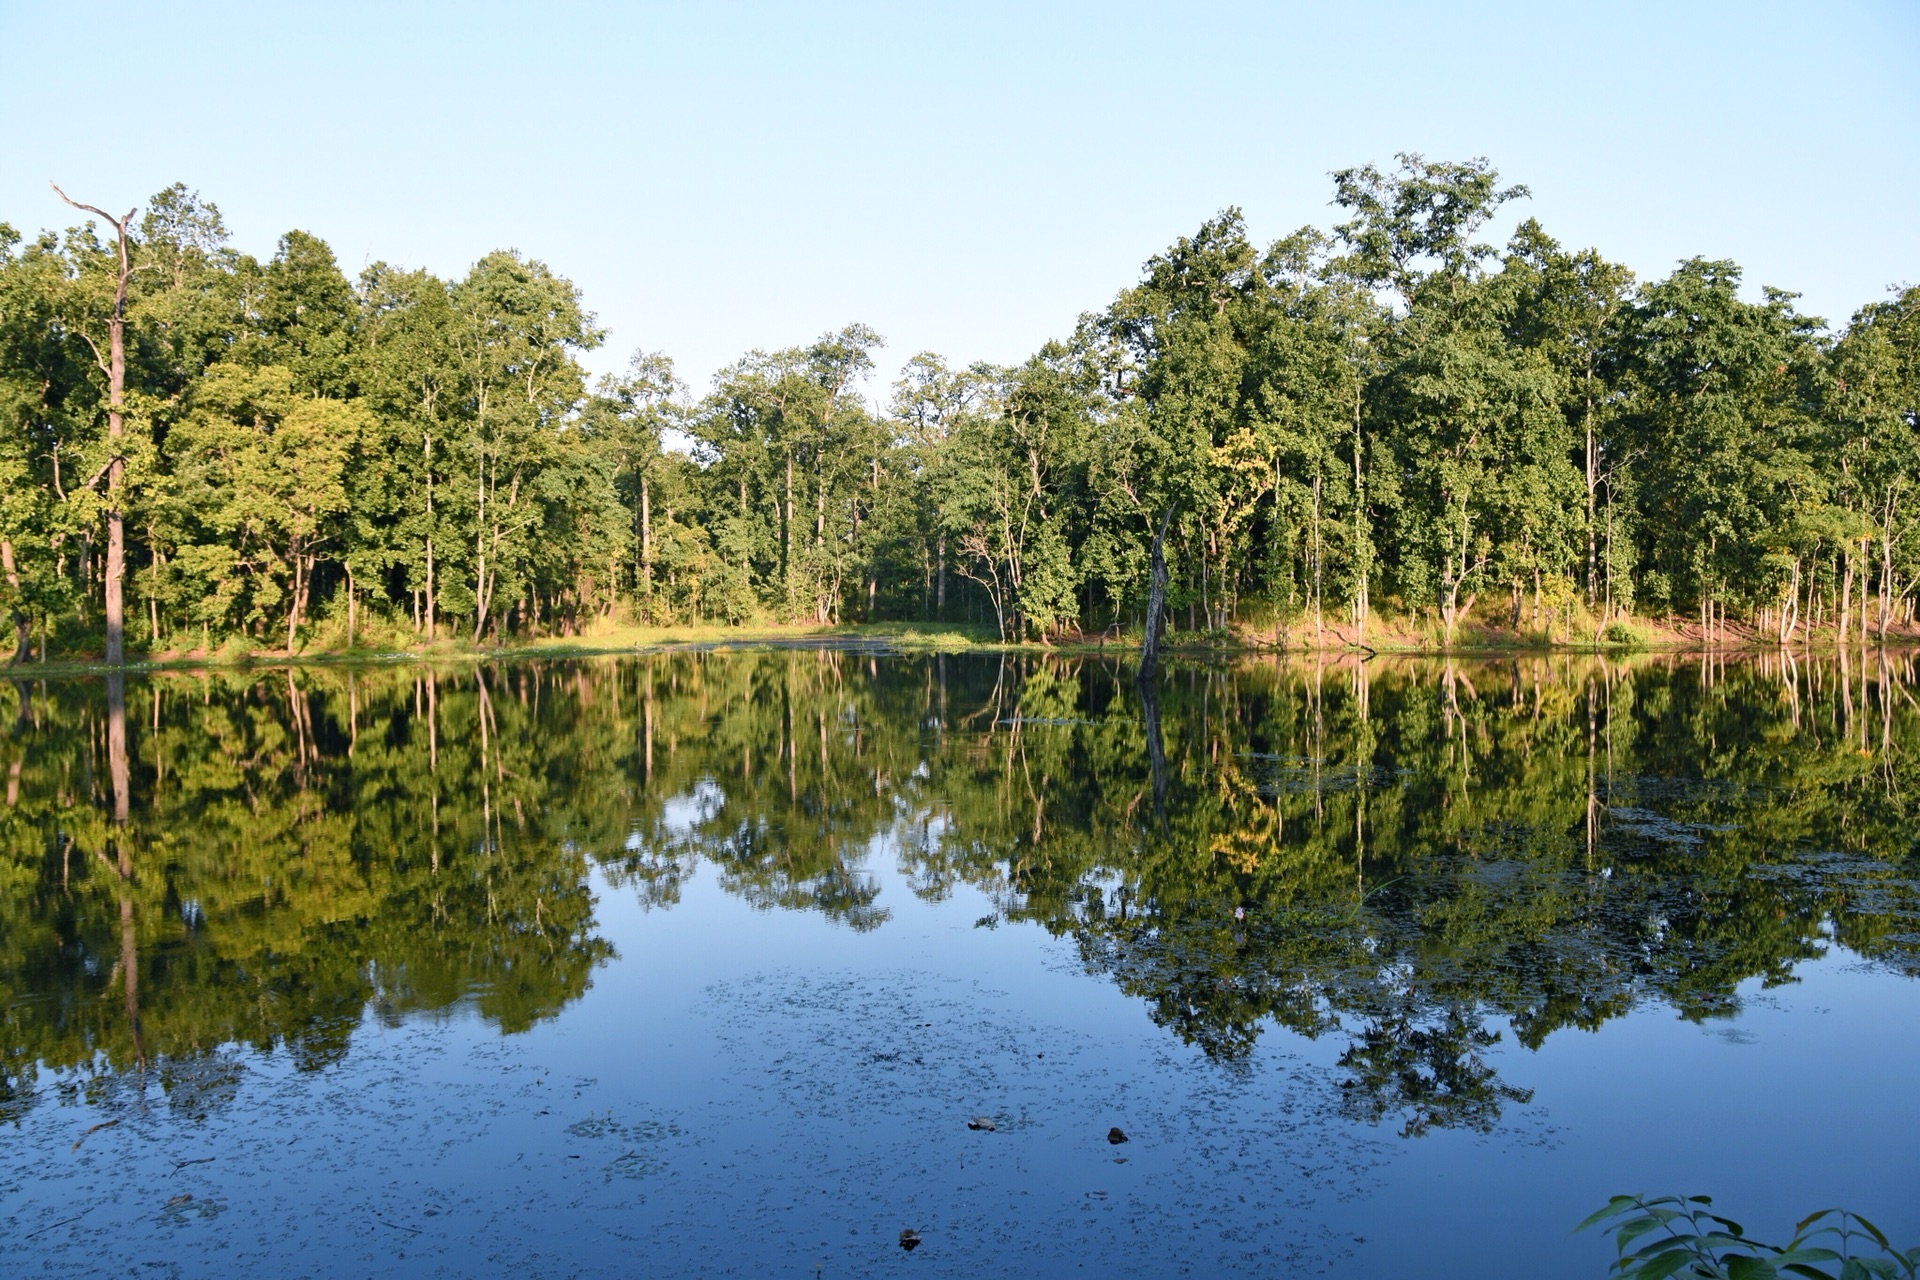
{"x": 1383, "y": 635}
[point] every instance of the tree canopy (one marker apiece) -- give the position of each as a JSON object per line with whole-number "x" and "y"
{"x": 1394, "y": 414}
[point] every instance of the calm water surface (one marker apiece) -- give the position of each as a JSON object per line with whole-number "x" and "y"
{"x": 702, "y": 963}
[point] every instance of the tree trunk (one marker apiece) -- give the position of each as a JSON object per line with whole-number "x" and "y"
{"x": 153, "y": 592}
{"x": 1362, "y": 544}
{"x": 1886, "y": 570}
{"x": 116, "y": 371}
{"x": 646, "y": 545}
{"x": 480, "y": 600}
{"x": 1319, "y": 560}
{"x": 1156, "y": 597}
{"x": 1789, "y": 607}
{"x": 21, "y": 630}
{"x": 1606, "y": 614}
{"x": 426, "y": 451}
{"x": 1593, "y": 484}
{"x": 293, "y": 603}
{"x": 1846, "y": 597}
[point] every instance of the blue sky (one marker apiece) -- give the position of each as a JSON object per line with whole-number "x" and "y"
{"x": 969, "y": 177}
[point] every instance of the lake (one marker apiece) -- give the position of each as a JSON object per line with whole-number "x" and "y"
{"x": 742, "y": 963}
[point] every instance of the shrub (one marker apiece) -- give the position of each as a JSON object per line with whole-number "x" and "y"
{"x": 1688, "y": 1239}
{"x": 1622, "y": 634}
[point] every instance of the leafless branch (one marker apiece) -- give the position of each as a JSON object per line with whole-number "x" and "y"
{"x": 101, "y": 473}
{"x": 98, "y": 359}
{"x": 118, "y": 223}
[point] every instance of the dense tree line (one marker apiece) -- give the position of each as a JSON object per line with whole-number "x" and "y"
{"x": 1391, "y": 415}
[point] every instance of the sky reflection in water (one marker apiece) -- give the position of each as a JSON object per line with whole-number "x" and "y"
{"x": 703, "y": 962}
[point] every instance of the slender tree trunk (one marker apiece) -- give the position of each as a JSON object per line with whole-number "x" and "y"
{"x": 1156, "y": 596}
{"x": 1886, "y": 568}
{"x": 1206, "y": 601}
{"x": 153, "y": 590}
{"x": 646, "y": 546}
{"x": 426, "y": 450}
{"x": 480, "y": 601}
{"x": 293, "y": 601}
{"x": 1865, "y": 556}
{"x": 116, "y": 371}
{"x": 823, "y": 610}
{"x": 1319, "y": 559}
{"x": 1362, "y": 544}
{"x": 1789, "y": 606}
{"x": 1593, "y": 485}
{"x": 22, "y": 630}
{"x": 1846, "y": 597}
{"x": 1607, "y": 613}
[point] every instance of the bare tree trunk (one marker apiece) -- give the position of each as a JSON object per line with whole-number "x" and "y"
{"x": 646, "y": 545}
{"x": 115, "y": 367}
{"x": 1319, "y": 569}
{"x": 1156, "y": 596}
{"x": 1846, "y": 597}
{"x": 1607, "y": 613}
{"x": 480, "y": 601}
{"x": 427, "y": 452}
{"x": 1886, "y": 568}
{"x": 1362, "y": 545}
{"x": 153, "y": 591}
{"x": 1593, "y": 484}
{"x": 293, "y": 603}
{"x": 22, "y": 631}
{"x": 1790, "y": 605}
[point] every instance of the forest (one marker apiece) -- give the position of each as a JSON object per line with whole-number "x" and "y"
{"x": 1389, "y": 422}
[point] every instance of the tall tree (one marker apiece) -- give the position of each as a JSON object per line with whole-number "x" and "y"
{"x": 1453, "y": 403}
{"x": 112, "y": 364}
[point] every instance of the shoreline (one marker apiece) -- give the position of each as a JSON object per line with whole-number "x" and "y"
{"x": 905, "y": 639}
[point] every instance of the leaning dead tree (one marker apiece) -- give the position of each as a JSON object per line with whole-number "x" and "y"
{"x": 113, "y": 363}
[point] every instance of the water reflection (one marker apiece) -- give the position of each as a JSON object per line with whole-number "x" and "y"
{"x": 1421, "y": 857}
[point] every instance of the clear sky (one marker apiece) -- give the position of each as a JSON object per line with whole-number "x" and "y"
{"x": 966, "y": 178}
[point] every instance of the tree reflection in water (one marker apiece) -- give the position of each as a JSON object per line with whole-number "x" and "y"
{"x": 1420, "y": 856}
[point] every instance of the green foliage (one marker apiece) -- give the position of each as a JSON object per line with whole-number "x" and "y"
{"x": 1622, "y": 634}
{"x": 1514, "y": 437}
{"x": 1671, "y": 1236}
